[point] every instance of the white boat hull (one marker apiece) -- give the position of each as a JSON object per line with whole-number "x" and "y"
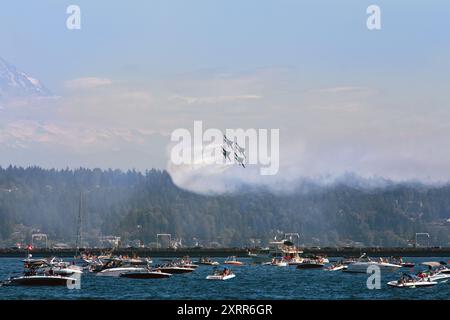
{"x": 220, "y": 277}
{"x": 361, "y": 267}
{"x": 116, "y": 272}
{"x": 415, "y": 284}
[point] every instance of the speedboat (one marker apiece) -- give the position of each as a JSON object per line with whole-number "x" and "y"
{"x": 363, "y": 263}
{"x": 137, "y": 261}
{"x": 278, "y": 263}
{"x": 233, "y": 261}
{"x": 336, "y": 267}
{"x": 148, "y": 274}
{"x": 310, "y": 264}
{"x": 411, "y": 281}
{"x": 116, "y": 272}
{"x": 437, "y": 271}
{"x": 295, "y": 261}
{"x": 208, "y": 262}
{"x": 221, "y": 275}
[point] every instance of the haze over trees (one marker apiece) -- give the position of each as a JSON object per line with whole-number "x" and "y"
{"x": 137, "y": 206}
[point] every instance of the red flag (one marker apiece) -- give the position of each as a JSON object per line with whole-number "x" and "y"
{"x": 29, "y": 247}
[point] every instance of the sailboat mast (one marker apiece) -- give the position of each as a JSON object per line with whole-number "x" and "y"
{"x": 79, "y": 225}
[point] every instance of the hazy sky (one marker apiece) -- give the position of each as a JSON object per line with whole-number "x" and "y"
{"x": 345, "y": 99}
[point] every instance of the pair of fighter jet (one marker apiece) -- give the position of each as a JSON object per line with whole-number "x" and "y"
{"x": 234, "y": 147}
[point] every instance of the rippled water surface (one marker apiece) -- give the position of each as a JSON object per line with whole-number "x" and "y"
{"x": 251, "y": 282}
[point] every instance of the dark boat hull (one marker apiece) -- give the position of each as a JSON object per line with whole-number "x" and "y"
{"x": 176, "y": 270}
{"x": 145, "y": 275}
{"x": 42, "y": 281}
{"x": 310, "y": 266}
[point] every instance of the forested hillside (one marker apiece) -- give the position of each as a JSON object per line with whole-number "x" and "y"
{"x": 137, "y": 205}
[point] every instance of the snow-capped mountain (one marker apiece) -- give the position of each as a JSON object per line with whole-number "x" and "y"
{"x": 16, "y": 83}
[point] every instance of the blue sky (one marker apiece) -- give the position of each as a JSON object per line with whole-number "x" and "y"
{"x": 148, "y": 39}
{"x": 345, "y": 98}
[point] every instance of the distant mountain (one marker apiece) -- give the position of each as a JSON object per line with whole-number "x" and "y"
{"x": 16, "y": 83}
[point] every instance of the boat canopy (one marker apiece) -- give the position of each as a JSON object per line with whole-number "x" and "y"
{"x": 431, "y": 264}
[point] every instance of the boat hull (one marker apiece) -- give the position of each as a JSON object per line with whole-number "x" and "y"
{"x": 361, "y": 267}
{"x": 310, "y": 266}
{"x": 146, "y": 275}
{"x": 42, "y": 281}
{"x": 116, "y": 272}
{"x": 416, "y": 284}
{"x": 176, "y": 270}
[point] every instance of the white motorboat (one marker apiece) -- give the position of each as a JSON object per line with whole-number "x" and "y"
{"x": 221, "y": 275}
{"x": 233, "y": 261}
{"x": 295, "y": 261}
{"x": 277, "y": 249}
{"x": 411, "y": 281}
{"x": 278, "y": 263}
{"x": 437, "y": 271}
{"x": 439, "y": 277}
{"x": 208, "y": 262}
{"x": 363, "y": 263}
{"x": 336, "y": 267}
{"x": 116, "y": 272}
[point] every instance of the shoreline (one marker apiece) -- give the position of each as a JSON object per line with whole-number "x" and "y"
{"x": 225, "y": 252}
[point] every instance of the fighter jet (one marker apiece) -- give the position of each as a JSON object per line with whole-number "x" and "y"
{"x": 226, "y": 154}
{"x": 239, "y": 160}
{"x": 240, "y": 149}
{"x": 227, "y": 141}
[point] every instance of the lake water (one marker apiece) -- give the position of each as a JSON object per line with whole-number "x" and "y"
{"x": 251, "y": 282}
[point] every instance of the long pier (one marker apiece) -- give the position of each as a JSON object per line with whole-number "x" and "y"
{"x": 240, "y": 252}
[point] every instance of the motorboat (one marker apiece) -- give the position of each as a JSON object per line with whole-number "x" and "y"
{"x": 208, "y": 262}
{"x": 226, "y": 274}
{"x": 437, "y": 271}
{"x": 46, "y": 272}
{"x": 296, "y": 260}
{"x": 233, "y": 261}
{"x": 278, "y": 263}
{"x": 363, "y": 263}
{"x": 137, "y": 261}
{"x": 411, "y": 281}
{"x": 148, "y": 274}
{"x": 116, "y": 272}
{"x": 311, "y": 264}
{"x": 187, "y": 262}
{"x": 338, "y": 266}
{"x": 277, "y": 249}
